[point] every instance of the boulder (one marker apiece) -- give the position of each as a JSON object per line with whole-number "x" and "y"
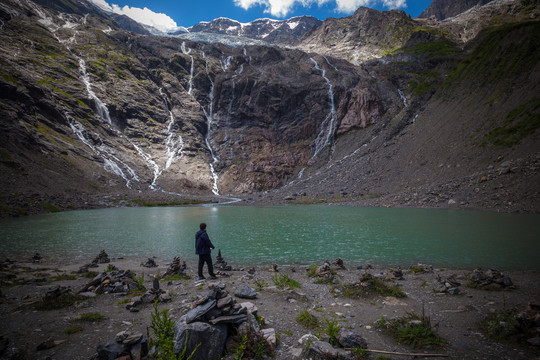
{"x": 201, "y": 310}
{"x": 189, "y": 336}
{"x": 246, "y": 292}
{"x": 349, "y": 339}
{"x": 320, "y": 350}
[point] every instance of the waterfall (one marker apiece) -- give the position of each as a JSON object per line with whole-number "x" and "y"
{"x": 327, "y": 130}
{"x": 403, "y": 98}
{"x": 210, "y": 118}
{"x": 190, "y": 81}
{"x": 112, "y": 162}
{"x": 101, "y": 109}
{"x": 152, "y": 163}
{"x": 226, "y": 64}
{"x": 329, "y": 64}
{"x": 174, "y": 146}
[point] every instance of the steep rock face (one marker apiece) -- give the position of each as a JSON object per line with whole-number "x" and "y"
{"x": 442, "y": 9}
{"x": 273, "y": 31}
{"x": 366, "y": 34}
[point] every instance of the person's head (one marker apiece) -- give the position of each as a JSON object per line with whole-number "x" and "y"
{"x": 202, "y": 226}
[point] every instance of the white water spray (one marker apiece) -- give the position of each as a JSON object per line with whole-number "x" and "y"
{"x": 210, "y": 118}
{"x": 403, "y": 98}
{"x": 174, "y": 144}
{"x": 190, "y": 81}
{"x": 328, "y": 126}
{"x": 101, "y": 108}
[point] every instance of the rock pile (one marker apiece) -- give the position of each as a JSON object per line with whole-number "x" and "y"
{"x": 448, "y": 285}
{"x": 150, "y": 263}
{"x": 221, "y": 264}
{"x": 213, "y": 319}
{"x": 176, "y": 268}
{"x": 490, "y": 278}
{"x": 36, "y": 258}
{"x": 125, "y": 346}
{"x": 102, "y": 258}
{"x": 150, "y": 296}
{"x": 314, "y": 348}
{"x": 115, "y": 281}
{"x": 421, "y": 268}
{"x": 531, "y": 316}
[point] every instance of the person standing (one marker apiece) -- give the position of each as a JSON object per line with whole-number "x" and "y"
{"x": 203, "y": 247}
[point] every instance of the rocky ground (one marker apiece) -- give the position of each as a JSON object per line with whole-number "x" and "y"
{"x": 454, "y": 317}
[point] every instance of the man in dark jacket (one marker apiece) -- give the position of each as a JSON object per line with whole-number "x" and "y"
{"x": 203, "y": 247}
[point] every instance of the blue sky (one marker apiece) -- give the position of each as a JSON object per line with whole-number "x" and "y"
{"x": 166, "y": 14}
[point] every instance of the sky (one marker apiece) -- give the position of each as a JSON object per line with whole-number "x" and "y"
{"x": 168, "y": 14}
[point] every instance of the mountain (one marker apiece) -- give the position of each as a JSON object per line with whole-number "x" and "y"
{"x": 94, "y": 115}
{"x": 272, "y": 31}
{"x": 442, "y": 9}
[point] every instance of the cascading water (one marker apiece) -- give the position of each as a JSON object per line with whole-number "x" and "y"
{"x": 210, "y": 118}
{"x": 190, "y": 81}
{"x": 403, "y": 98}
{"x": 328, "y": 126}
{"x": 330, "y": 64}
{"x": 112, "y": 162}
{"x": 101, "y": 109}
{"x": 173, "y": 144}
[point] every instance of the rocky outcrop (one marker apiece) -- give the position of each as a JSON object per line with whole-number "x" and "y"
{"x": 442, "y": 9}
{"x": 365, "y": 35}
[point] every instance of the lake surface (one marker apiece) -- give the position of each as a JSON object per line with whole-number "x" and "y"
{"x": 283, "y": 235}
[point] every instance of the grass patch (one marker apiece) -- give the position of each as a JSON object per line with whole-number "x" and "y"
{"x": 413, "y": 330}
{"x": 251, "y": 346}
{"x": 62, "y": 277}
{"x": 307, "y": 320}
{"x": 91, "y": 317}
{"x": 509, "y": 325}
{"x": 176, "y": 277}
{"x": 55, "y": 303}
{"x": 73, "y": 330}
{"x": 91, "y": 274}
{"x": 518, "y": 124}
{"x": 50, "y": 207}
{"x": 369, "y": 285}
{"x": 260, "y": 284}
{"x": 124, "y": 301}
{"x": 285, "y": 281}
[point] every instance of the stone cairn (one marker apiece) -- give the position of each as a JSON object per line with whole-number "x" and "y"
{"x": 176, "y": 268}
{"x": 490, "y": 278}
{"x": 102, "y": 258}
{"x": 448, "y": 285}
{"x": 221, "y": 266}
{"x": 125, "y": 346}
{"x": 213, "y": 319}
{"x": 112, "y": 280}
{"x": 150, "y": 263}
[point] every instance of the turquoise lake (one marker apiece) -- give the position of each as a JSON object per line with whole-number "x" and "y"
{"x": 283, "y": 235}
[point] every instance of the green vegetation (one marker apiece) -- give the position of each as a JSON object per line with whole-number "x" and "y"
{"x": 62, "y": 277}
{"x": 54, "y": 303}
{"x": 422, "y": 87}
{"x": 518, "y": 124}
{"x": 251, "y": 346}
{"x": 176, "y": 277}
{"x": 331, "y": 330}
{"x": 90, "y": 274}
{"x": 509, "y": 325}
{"x": 441, "y": 48}
{"x": 498, "y": 55}
{"x": 123, "y": 301}
{"x": 73, "y": 330}
{"x": 412, "y": 329}
{"x": 91, "y": 317}
{"x": 260, "y": 284}
{"x": 284, "y": 280}
{"x": 50, "y": 207}
{"x": 368, "y": 285}
{"x": 307, "y": 320}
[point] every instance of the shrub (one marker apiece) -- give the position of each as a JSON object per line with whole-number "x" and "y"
{"x": 251, "y": 346}
{"x": 412, "y": 330}
{"x": 284, "y": 280}
{"x": 73, "y": 330}
{"x": 508, "y": 325}
{"x": 332, "y": 330}
{"x": 307, "y": 320}
{"x": 369, "y": 284}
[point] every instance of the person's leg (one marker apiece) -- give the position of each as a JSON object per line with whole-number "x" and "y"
{"x": 201, "y": 264}
{"x": 210, "y": 266}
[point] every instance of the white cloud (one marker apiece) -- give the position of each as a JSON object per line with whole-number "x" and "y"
{"x": 280, "y": 8}
{"x": 144, "y": 16}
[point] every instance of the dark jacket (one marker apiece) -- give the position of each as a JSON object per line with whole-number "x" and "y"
{"x": 202, "y": 243}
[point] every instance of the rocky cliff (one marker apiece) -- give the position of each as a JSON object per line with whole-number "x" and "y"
{"x": 94, "y": 115}
{"x": 442, "y": 9}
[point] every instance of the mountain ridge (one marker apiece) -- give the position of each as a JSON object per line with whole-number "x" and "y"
{"x": 95, "y": 116}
